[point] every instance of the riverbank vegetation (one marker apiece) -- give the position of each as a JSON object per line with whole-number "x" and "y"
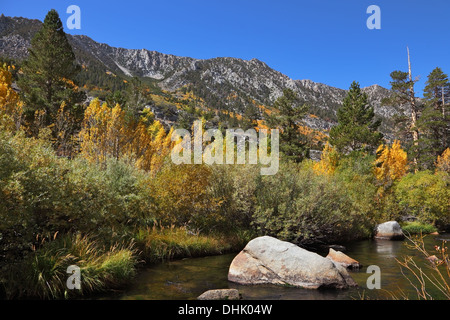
{"x": 93, "y": 184}
{"x": 416, "y": 228}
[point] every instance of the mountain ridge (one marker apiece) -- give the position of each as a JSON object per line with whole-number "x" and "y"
{"x": 214, "y": 79}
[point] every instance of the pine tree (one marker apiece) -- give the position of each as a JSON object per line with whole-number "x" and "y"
{"x": 434, "y": 121}
{"x": 251, "y": 116}
{"x": 288, "y": 117}
{"x": 49, "y": 71}
{"x": 356, "y": 129}
{"x": 437, "y": 90}
{"x": 403, "y": 96}
{"x": 137, "y": 96}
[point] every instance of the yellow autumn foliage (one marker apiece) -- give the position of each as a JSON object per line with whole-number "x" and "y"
{"x": 107, "y": 132}
{"x": 328, "y": 161}
{"x": 443, "y": 161}
{"x": 183, "y": 197}
{"x": 11, "y": 108}
{"x": 391, "y": 163}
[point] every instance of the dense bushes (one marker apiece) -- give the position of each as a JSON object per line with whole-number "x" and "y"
{"x": 44, "y": 197}
{"x": 426, "y": 195}
{"x": 55, "y": 212}
{"x": 42, "y": 194}
{"x": 182, "y": 197}
{"x": 416, "y": 227}
{"x": 235, "y": 187}
{"x": 299, "y": 206}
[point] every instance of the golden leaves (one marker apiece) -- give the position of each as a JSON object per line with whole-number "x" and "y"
{"x": 443, "y": 161}
{"x": 328, "y": 161}
{"x": 391, "y": 163}
{"x": 108, "y": 132}
{"x": 11, "y": 108}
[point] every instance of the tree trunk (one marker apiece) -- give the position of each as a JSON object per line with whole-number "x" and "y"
{"x": 414, "y": 130}
{"x": 443, "y": 103}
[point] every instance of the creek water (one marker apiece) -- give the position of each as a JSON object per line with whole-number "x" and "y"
{"x": 188, "y": 278}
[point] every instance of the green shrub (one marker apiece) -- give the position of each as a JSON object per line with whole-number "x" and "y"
{"x": 41, "y": 194}
{"x": 418, "y": 228}
{"x": 299, "y": 206}
{"x": 235, "y": 186}
{"x": 425, "y": 195}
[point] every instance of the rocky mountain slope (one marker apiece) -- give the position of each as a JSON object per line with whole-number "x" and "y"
{"x": 214, "y": 80}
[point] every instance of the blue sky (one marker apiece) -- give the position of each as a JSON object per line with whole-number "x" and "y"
{"x": 323, "y": 40}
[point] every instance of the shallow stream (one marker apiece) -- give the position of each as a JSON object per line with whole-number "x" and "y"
{"x": 188, "y": 278}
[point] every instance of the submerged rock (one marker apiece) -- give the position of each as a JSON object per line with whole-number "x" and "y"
{"x": 220, "y": 294}
{"x": 390, "y": 230}
{"x": 266, "y": 260}
{"x": 342, "y": 259}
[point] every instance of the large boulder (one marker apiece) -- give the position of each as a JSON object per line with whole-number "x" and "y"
{"x": 266, "y": 260}
{"x": 342, "y": 259}
{"x": 390, "y": 230}
{"x": 220, "y": 294}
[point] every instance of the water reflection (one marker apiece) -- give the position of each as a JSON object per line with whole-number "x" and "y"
{"x": 188, "y": 278}
{"x": 387, "y": 248}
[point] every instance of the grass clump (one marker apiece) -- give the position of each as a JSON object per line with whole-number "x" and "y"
{"x": 417, "y": 227}
{"x": 43, "y": 273}
{"x": 160, "y": 243}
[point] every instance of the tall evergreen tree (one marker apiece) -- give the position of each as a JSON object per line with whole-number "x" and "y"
{"x": 288, "y": 116}
{"x": 434, "y": 121}
{"x": 137, "y": 96}
{"x": 403, "y": 96}
{"x": 356, "y": 129}
{"x": 251, "y": 116}
{"x": 49, "y": 71}
{"x": 437, "y": 90}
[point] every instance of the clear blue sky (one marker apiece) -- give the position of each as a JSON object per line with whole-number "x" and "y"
{"x": 323, "y": 40}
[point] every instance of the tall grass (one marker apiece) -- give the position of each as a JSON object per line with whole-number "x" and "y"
{"x": 159, "y": 243}
{"x": 43, "y": 273}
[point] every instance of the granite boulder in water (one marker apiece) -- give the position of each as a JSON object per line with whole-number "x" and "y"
{"x": 390, "y": 230}
{"x": 344, "y": 260}
{"x": 266, "y": 260}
